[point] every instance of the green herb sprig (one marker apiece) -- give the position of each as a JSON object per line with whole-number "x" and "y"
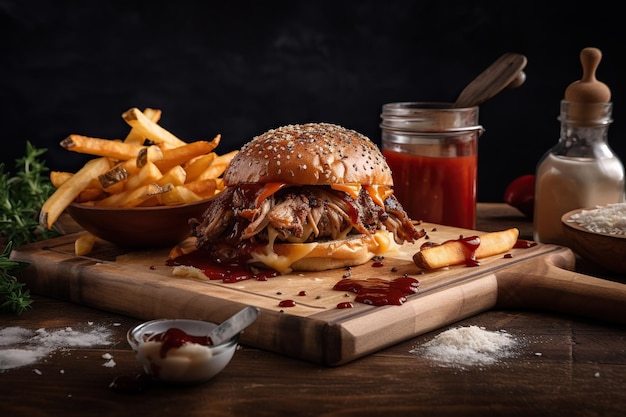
{"x": 14, "y": 298}
{"x": 21, "y": 198}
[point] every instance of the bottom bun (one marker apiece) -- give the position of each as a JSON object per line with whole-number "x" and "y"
{"x": 320, "y": 256}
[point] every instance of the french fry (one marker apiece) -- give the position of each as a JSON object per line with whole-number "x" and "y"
{"x": 148, "y": 174}
{"x": 90, "y": 194}
{"x": 218, "y": 166}
{"x": 101, "y": 147}
{"x": 148, "y": 154}
{"x": 57, "y": 178}
{"x": 135, "y": 136}
{"x": 113, "y": 176}
{"x": 83, "y": 245}
{"x": 178, "y": 195}
{"x": 175, "y": 176}
{"x": 151, "y": 130}
{"x": 116, "y": 188}
{"x": 454, "y": 252}
{"x": 63, "y": 196}
{"x": 132, "y": 198}
{"x": 203, "y": 188}
{"x": 198, "y": 165}
{"x": 182, "y": 154}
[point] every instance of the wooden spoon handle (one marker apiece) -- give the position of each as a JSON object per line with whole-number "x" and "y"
{"x": 505, "y": 71}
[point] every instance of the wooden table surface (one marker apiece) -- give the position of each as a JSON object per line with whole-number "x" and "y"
{"x": 564, "y": 366}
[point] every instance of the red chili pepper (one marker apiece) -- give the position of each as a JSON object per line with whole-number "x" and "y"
{"x": 520, "y": 193}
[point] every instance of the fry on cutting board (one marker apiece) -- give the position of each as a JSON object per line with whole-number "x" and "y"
{"x": 456, "y": 252}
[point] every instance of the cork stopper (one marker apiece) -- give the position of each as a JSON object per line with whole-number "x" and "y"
{"x": 586, "y": 94}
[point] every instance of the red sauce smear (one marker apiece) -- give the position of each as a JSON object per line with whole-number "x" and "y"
{"x": 379, "y": 291}
{"x": 174, "y": 338}
{"x": 228, "y": 273}
{"x": 524, "y": 244}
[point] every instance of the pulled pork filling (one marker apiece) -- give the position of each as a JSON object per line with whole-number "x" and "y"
{"x": 297, "y": 214}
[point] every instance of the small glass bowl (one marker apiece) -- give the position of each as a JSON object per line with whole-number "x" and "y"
{"x": 190, "y": 363}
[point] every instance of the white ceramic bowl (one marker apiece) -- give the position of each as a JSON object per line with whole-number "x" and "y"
{"x": 188, "y": 363}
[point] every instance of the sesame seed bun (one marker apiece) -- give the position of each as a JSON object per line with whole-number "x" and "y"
{"x": 309, "y": 154}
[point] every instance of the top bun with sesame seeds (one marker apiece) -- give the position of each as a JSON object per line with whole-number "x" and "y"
{"x": 304, "y": 197}
{"x": 311, "y": 154}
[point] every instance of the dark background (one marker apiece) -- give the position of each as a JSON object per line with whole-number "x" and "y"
{"x": 240, "y": 68}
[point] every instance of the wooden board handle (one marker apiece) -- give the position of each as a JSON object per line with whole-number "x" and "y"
{"x": 549, "y": 286}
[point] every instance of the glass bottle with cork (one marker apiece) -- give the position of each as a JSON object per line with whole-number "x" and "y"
{"x": 581, "y": 170}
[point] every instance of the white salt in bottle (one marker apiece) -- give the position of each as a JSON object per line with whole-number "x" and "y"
{"x": 581, "y": 170}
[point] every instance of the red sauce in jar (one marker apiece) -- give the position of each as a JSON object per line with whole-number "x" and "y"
{"x": 449, "y": 196}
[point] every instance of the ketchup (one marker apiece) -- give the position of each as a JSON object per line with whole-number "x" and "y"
{"x": 174, "y": 338}
{"x": 229, "y": 273}
{"x": 436, "y": 189}
{"x": 378, "y": 291}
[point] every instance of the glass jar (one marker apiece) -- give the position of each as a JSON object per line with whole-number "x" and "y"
{"x": 580, "y": 171}
{"x": 432, "y": 150}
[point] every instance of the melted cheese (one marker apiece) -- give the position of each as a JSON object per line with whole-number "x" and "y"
{"x": 382, "y": 242}
{"x": 352, "y": 190}
{"x": 379, "y": 193}
{"x": 379, "y": 243}
{"x": 268, "y": 190}
{"x": 281, "y": 263}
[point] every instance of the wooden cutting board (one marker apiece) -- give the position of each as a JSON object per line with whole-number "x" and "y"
{"x": 140, "y": 285}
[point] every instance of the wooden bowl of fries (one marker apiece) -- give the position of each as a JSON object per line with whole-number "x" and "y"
{"x": 139, "y": 192}
{"x": 138, "y": 227}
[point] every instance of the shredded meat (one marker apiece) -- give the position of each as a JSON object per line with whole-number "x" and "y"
{"x": 299, "y": 214}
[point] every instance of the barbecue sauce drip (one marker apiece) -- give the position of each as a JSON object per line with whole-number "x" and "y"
{"x": 471, "y": 243}
{"x": 229, "y": 273}
{"x": 378, "y": 291}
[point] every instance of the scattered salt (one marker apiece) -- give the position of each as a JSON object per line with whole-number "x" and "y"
{"x": 109, "y": 364}
{"x": 21, "y": 347}
{"x": 467, "y": 346}
{"x": 607, "y": 219}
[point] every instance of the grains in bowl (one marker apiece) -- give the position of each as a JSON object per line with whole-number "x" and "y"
{"x": 610, "y": 219}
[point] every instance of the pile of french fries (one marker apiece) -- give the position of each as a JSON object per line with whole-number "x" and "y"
{"x": 150, "y": 167}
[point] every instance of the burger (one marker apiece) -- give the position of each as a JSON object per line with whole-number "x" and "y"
{"x": 305, "y": 197}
